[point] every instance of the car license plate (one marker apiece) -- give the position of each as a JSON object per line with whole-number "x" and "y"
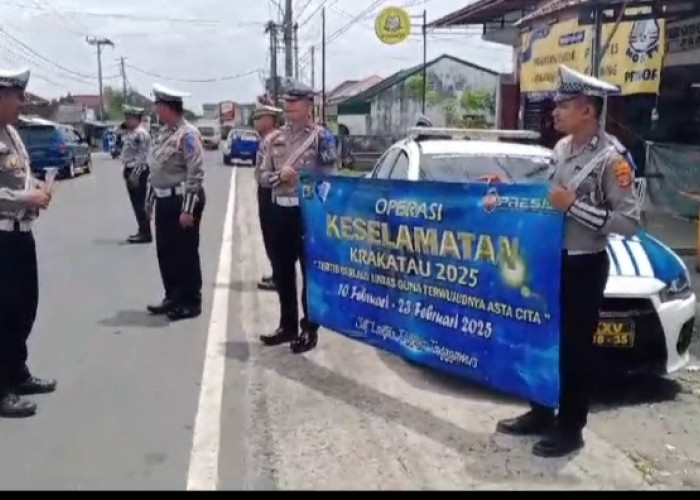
{"x": 614, "y": 334}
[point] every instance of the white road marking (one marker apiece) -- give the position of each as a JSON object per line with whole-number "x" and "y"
{"x": 203, "y": 472}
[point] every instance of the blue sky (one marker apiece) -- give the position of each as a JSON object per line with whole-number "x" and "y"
{"x": 212, "y": 40}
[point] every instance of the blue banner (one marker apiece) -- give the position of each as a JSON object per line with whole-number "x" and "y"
{"x": 460, "y": 277}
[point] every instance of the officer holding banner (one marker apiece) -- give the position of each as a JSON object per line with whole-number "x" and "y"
{"x": 593, "y": 184}
{"x": 300, "y": 145}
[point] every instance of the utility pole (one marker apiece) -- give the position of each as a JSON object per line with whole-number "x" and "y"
{"x": 271, "y": 28}
{"x": 288, "y": 28}
{"x": 122, "y": 72}
{"x": 313, "y": 81}
{"x": 99, "y": 42}
{"x": 323, "y": 66}
{"x": 425, "y": 60}
{"x": 313, "y": 67}
{"x": 296, "y": 51}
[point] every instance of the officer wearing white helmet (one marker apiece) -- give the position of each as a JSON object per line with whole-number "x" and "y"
{"x": 299, "y": 146}
{"x": 21, "y": 198}
{"x": 265, "y": 120}
{"x": 176, "y": 195}
{"x": 592, "y": 182}
{"x": 137, "y": 143}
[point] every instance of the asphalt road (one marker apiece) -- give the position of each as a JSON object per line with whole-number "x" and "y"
{"x": 129, "y": 413}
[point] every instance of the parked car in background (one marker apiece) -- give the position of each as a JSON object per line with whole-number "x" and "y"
{"x": 646, "y": 321}
{"x": 241, "y": 144}
{"x": 51, "y": 144}
{"x": 211, "y": 137}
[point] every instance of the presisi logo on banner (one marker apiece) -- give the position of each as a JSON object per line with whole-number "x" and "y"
{"x": 492, "y": 201}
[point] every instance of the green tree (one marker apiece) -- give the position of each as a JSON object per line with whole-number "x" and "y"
{"x": 414, "y": 87}
{"x": 433, "y": 98}
{"x": 476, "y": 101}
{"x": 452, "y": 118}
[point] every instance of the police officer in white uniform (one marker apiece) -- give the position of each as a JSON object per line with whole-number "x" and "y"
{"x": 176, "y": 194}
{"x": 593, "y": 184}
{"x": 298, "y": 146}
{"x": 137, "y": 143}
{"x": 265, "y": 121}
{"x": 21, "y": 198}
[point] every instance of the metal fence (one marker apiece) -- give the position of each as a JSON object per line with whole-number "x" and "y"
{"x": 672, "y": 178}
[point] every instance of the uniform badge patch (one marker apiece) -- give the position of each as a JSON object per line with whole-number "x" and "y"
{"x": 623, "y": 173}
{"x": 189, "y": 143}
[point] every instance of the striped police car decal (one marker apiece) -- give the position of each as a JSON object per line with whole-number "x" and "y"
{"x": 628, "y": 258}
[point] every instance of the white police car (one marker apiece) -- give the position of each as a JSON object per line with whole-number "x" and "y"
{"x": 646, "y": 323}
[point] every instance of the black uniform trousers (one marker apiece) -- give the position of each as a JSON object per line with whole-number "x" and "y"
{"x": 137, "y": 195}
{"x": 265, "y": 215}
{"x": 19, "y": 298}
{"x": 583, "y": 280}
{"x": 288, "y": 248}
{"x": 178, "y": 251}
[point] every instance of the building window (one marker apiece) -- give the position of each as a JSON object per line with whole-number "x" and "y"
{"x": 459, "y": 86}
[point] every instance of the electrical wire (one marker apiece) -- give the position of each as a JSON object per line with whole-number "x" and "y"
{"x": 303, "y": 8}
{"x": 43, "y": 58}
{"x": 187, "y": 80}
{"x": 320, "y": 6}
{"x": 132, "y": 17}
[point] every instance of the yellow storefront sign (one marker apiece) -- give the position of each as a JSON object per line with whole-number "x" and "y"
{"x": 392, "y": 25}
{"x": 633, "y": 60}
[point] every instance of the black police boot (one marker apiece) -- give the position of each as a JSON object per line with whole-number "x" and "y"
{"x": 161, "y": 308}
{"x": 531, "y": 423}
{"x": 305, "y": 342}
{"x": 559, "y": 443}
{"x": 140, "y": 238}
{"x": 266, "y": 283}
{"x": 35, "y": 385}
{"x": 182, "y": 311}
{"x": 12, "y": 406}
{"x": 278, "y": 337}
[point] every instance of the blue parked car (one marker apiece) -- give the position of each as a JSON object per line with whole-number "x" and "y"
{"x": 241, "y": 144}
{"x": 51, "y": 144}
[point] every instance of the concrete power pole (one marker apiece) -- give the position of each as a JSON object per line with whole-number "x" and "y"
{"x": 271, "y": 29}
{"x": 313, "y": 68}
{"x": 122, "y": 72}
{"x": 323, "y": 66}
{"x": 296, "y": 51}
{"x": 99, "y": 43}
{"x": 288, "y": 48}
{"x": 313, "y": 80}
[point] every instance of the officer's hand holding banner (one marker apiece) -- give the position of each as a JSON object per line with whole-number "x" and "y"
{"x": 460, "y": 277}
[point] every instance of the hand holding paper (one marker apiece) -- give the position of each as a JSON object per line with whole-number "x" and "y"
{"x": 49, "y": 177}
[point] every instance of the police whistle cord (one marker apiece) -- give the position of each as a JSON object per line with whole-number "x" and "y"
{"x": 587, "y": 169}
